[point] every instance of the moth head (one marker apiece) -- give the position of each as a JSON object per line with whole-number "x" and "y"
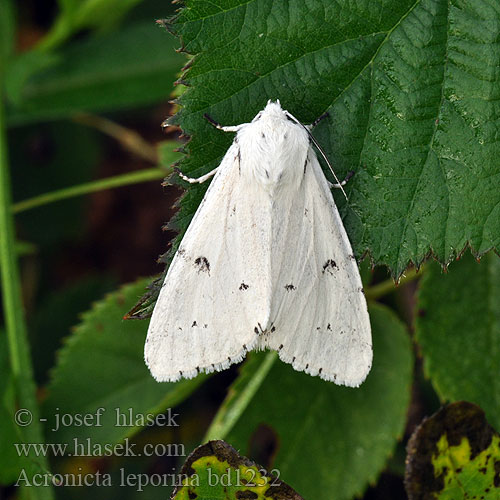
{"x": 272, "y": 109}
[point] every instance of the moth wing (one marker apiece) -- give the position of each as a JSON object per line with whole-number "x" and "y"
{"x": 210, "y": 303}
{"x": 320, "y": 321}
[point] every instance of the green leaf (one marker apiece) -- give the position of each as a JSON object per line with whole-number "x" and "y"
{"x": 412, "y": 89}
{"x": 128, "y": 68}
{"x": 56, "y": 313}
{"x": 102, "y": 366}
{"x": 349, "y": 432}
{"x": 216, "y": 470}
{"x": 458, "y": 330}
{"x": 453, "y": 455}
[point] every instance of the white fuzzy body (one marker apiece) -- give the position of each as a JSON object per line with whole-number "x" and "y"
{"x": 265, "y": 263}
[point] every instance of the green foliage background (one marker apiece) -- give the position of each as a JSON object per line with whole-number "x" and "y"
{"x": 412, "y": 91}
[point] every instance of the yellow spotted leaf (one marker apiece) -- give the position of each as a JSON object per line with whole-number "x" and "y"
{"x": 216, "y": 470}
{"x": 454, "y": 455}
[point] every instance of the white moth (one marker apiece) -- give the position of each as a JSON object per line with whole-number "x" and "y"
{"x": 265, "y": 264}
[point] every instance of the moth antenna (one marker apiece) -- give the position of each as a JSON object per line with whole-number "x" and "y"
{"x": 320, "y": 149}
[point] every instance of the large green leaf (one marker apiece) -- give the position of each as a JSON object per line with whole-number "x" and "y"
{"x": 458, "y": 330}
{"x": 102, "y": 366}
{"x": 331, "y": 440}
{"x": 454, "y": 455}
{"x": 128, "y": 68}
{"x": 413, "y": 91}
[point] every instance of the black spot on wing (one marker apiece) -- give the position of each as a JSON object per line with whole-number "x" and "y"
{"x": 244, "y": 286}
{"x": 290, "y": 287}
{"x": 329, "y": 266}
{"x": 202, "y": 264}
{"x": 258, "y": 329}
{"x": 194, "y": 324}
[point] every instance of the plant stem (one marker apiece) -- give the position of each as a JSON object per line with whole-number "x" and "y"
{"x": 129, "y": 139}
{"x": 227, "y": 416}
{"x": 17, "y": 338}
{"x": 388, "y": 286}
{"x": 145, "y": 175}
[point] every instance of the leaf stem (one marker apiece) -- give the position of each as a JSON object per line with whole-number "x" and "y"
{"x": 91, "y": 187}
{"x": 17, "y": 338}
{"x": 129, "y": 139}
{"x": 226, "y": 418}
{"x": 388, "y": 286}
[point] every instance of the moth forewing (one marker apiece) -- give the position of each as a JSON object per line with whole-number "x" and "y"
{"x": 265, "y": 263}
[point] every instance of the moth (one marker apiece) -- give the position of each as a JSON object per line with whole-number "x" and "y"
{"x": 265, "y": 264}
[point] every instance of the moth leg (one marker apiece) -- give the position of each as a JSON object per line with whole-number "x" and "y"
{"x": 344, "y": 182}
{"x": 218, "y": 126}
{"x": 320, "y": 118}
{"x": 198, "y": 180}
